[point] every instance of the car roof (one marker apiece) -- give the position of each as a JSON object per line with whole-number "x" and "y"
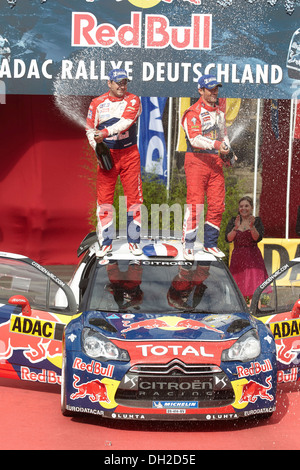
{"x": 120, "y": 250}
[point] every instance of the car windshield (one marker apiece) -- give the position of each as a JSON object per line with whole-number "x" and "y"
{"x": 162, "y": 286}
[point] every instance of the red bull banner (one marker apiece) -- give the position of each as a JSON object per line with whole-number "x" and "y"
{"x": 67, "y": 47}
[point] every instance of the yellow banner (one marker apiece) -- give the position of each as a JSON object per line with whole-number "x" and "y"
{"x": 276, "y": 253}
{"x": 184, "y": 103}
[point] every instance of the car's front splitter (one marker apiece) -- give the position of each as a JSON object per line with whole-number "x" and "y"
{"x": 93, "y": 387}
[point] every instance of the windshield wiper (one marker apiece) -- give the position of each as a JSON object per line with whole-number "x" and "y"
{"x": 113, "y": 310}
{"x": 189, "y": 310}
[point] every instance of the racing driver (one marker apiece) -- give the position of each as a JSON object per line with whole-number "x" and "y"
{"x": 112, "y": 119}
{"x": 207, "y": 147}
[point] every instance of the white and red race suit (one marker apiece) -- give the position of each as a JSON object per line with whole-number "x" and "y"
{"x": 116, "y": 118}
{"x": 205, "y": 130}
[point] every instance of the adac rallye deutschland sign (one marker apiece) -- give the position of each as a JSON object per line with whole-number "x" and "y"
{"x": 68, "y": 46}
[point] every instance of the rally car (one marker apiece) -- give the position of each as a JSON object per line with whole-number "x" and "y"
{"x": 163, "y": 338}
{"x": 149, "y": 337}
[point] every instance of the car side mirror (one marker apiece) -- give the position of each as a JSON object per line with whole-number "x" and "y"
{"x": 296, "y": 309}
{"x": 21, "y": 301}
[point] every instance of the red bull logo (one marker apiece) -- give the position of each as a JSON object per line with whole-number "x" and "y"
{"x": 45, "y": 376}
{"x": 254, "y": 390}
{"x": 158, "y": 33}
{"x": 254, "y": 369}
{"x": 288, "y": 350}
{"x": 287, "y": 376}
{"x": 168, "y": 323}
{"x": 93, "y": 368}
{"x": 95, "y": 390}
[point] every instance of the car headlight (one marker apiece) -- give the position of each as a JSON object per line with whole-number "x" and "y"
{"x": 99, "y": 347}
{"x": 246, "y": 348}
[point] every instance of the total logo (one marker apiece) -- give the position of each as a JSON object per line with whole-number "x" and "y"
{"x": 187, "y": 351}
{"x": 191, "y": 350}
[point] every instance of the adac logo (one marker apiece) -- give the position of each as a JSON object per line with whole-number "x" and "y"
{"x": 152, "y": 3}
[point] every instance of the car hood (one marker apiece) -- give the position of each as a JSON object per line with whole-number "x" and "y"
{"x": 193, "y": 326}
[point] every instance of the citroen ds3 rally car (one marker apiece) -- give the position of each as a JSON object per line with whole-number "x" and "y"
{"x": 163, "y": 338}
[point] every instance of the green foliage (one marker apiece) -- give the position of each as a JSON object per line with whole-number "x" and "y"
{"x": 234, "y": 192}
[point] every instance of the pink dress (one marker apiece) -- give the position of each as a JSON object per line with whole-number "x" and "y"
{"x": 247, "y": 265}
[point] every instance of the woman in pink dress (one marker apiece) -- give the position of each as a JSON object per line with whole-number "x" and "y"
{"x": 247, "y": 265}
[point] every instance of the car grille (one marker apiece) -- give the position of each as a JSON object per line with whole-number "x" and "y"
{"x": 205, "y": 384}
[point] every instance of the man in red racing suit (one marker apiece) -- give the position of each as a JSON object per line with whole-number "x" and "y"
{"x": 206, "y": 135}
{"x": 112, "y": 119}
